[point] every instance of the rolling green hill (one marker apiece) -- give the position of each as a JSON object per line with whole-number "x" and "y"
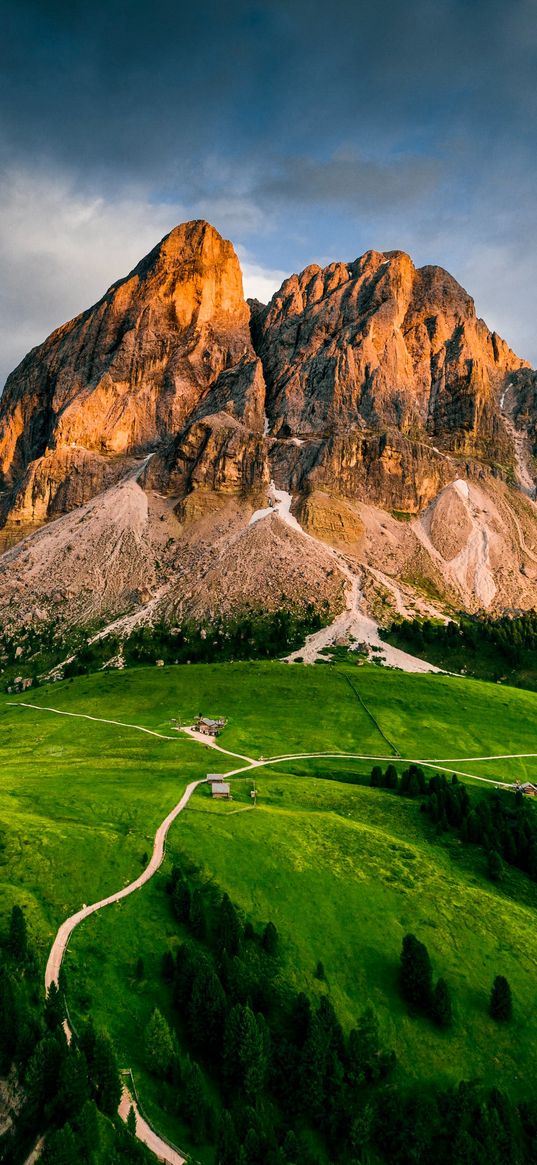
{"x": 343, "y": 870}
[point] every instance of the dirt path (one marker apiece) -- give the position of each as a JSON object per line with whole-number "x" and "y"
{"x": 441, "y": 766}
{"x": 36, "y": 1152}
{"x": 145, "y": 1133}
{"x": 210, "y": 742}
{"x": 66, "y": 929}
{"x": 85, "y": 716}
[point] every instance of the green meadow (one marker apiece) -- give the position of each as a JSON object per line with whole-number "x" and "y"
{"x": 344, "y": 871}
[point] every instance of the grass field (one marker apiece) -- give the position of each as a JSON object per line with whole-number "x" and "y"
{"x": 344, "y": 871}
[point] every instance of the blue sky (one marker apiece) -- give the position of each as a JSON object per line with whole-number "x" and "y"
{"x": 304, "y": 131}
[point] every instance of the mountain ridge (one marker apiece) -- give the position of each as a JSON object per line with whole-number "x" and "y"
{"x": 367, "y": 390}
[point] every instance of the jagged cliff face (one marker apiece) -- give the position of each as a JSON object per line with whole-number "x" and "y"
{"x": 377, "y": 344}
{"x": 124, "y": 375}
{"x": 369, "y": 386}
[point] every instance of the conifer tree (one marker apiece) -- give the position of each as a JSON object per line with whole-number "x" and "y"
{"x": 54, "y": 1008}
{"x": 181, "y": 899}
{"x": 18, "y": 937}
{"x": 106, "y": 1076}
{"x": 196, "y": 916}
{"x": 494, "y": 865}
{"x": 390, "y": 777}
{"x": 501, "y": 1003}
{"x": 73, "y": 1090}
{"x": 88, "y": 1126}
{"x": 228, "y": 929}
{"x": 194, "y": 1104}
{"x": 441, "y": 1009}
{"x": 227, "y": 1144}
{"x": 416, "y": 974}
{"x": 158, "y": 1045}
{"x": 60, "y": 1147}
{"x": 269, "y": 942}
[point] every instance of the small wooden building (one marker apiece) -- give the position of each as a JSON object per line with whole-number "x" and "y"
{"x": 529, "y": 789}
{"x": 221, "y": 791}
{"x": 209, "y": 727}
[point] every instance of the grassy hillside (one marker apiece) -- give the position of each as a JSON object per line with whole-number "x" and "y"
{"x": 344, "y": 871}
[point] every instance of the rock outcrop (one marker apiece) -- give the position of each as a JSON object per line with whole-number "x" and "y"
{"x": 128, "y": 372}
{"x": 378, "y": 344}
{"x": 370, "y": 391}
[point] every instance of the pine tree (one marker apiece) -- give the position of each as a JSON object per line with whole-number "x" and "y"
{"x": 73, "y": 1090}
{"x": 18, "y": 937}
{"x": 501, "y": 1003}
{"x": 139, "y": 969}
{"x": 290, "y": 1148}
{"x": 60, "y": 1148}
{"x": 196, "y": 916}
{"x": 227, "y": 1144}
{"x": 416, "y": 974}
{"x": 364, "y": 1049}
{"x": 269, "y": 942}
{"x": 228, "y": 929}
{"x": 313, "y": 1061}
{"x": 376, "y": 777}
{"x": 206, "y": 1010}
{"x": 494, "y": 865}
{"x": 158, "y": 1045}
{"x": 54, "y": 1008}
{"x": 106, "y": 1076}
{"x": 181, "y": 899}
{"x": 391, "y": 778}
{"x": 441, "y": 1009}
{"x": 131, "y": 1121}
{"x": 88, "y": 1126}
{"x": 244, "y": 1054}
{"x": 194, "y": 1104}
{"x": 43, "y": 1072}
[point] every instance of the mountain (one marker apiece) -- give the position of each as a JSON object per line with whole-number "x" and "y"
{"x": 150, "y": 427}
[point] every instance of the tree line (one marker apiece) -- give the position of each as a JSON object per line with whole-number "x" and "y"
{"x": 256, "y": 634}
{"x": 489, "y": 648}
{"x": 70, "y": 1092}
{"x": 286, "y": 1076}
{"x": 503, "y": 823}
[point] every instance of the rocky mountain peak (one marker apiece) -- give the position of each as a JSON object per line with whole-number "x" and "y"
{"x": 379, "y": 343}
{"x": 197, "y": 271}
{"x": 125, "y": 374}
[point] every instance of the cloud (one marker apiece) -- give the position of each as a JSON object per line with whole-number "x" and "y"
{"x": 259, "y": 282}
{"x": 60, "y": 249}
{"x": 357, "y": 183}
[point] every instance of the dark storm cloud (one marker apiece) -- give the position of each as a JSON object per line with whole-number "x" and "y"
{"x": 356, "y": 183}
{"x": 304, "y": 130}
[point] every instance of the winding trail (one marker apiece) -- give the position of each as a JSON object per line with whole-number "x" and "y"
{"x": 144, "y": 1132}
{"x": 163, "y": 1150}
{"x": 66, "y": 929}
{"x": 85, "y": 716}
